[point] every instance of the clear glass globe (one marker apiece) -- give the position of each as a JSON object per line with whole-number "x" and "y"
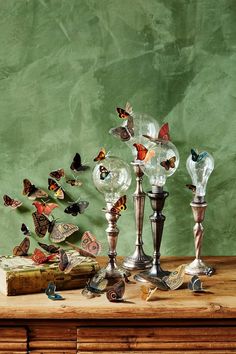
{"x": 162, "y": 164}
{"x": 112, "y": 177}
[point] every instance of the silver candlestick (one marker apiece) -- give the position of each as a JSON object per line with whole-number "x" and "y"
{"x": 138, "y": 260}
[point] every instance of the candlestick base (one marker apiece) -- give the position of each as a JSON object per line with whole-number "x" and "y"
{"x": 139, "y": 260}
{"x": 197, "y": 267}
{"x": 155, "y": 272}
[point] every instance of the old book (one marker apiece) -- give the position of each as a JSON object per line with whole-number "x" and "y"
{"x": 20, "y": 275}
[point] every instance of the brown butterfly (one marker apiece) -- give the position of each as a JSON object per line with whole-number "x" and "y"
{"x": 125, "y": 113}
{"x": 119, "y": 205}
{"x": 23, "y": 248}
{"x": 49, "y": 248}
{"x": 58, "y": 191}
{"x": 74, "y": 182}
{"x": 31, "y": 191}
{"x": 13, "y": 203}
{"x": 116, "y": 292}
{"x": 124, "y": 132}
{"x": 167, "y": 164}
{"x": 25, "y": 230}
{"x": 101, "y": 155}
{"x": 58, "y": 231}
{"x": 76, "y": 164}
{"x": 58, "y": 174}
{"x": 191, "y": 187}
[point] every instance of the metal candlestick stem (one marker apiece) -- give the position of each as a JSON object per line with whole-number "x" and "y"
{"x": 157, "y": 198}
{"x": 139, "y": 260}
{"x": 198, "y": 266}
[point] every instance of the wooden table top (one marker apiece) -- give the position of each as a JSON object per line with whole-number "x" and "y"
{"x": 219, "y": 300}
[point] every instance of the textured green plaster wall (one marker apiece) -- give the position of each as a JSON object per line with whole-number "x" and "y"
{"x": 64, "y": 67}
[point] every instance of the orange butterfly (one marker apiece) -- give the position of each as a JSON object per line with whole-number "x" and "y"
{"x": 39, "y": 257}
{"x": 119, "y": 205}
{"x": 53, "y": 186}
{"x": 167, "y": 164}
{"x": 125, "y": 113}
{"x": 162, "y": 135}
{"x": 44, "y": 208}
{"x": 101, "y": 155}
{"x": 143, "y": 153}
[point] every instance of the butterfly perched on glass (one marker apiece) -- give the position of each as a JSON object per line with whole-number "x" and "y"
{"x": 95, "y": 286}
{"x": 44, "y": 208}
{"x": 78, "y": 207}
{"x": 58, "y": 174}
{"x": 163, "y": 135}
{"x": 119, "y": 205}
{"x": 53, "y": 186}
{"x": 191, "y": 187}
{"x": 143, "y": 154}
{"x": 40, "y": 258}
{"x": 25, "y": 230}
{"x": 76, "y": 164}
{"x": 176, "y": 278}
{"x": 116, "y": 292}
{"x": 68, "y": 261}
{"x": 198, "y": 157}
{"x": 58, "y": 231}
{"x": 23, "y": 248}
{"x": 49, "y": 248}
{"x": 124, "y": 132}
{"x": 104, "y": 173}
{"x": 31, "y": 191}
{"x": 169, "y": 163}
{"x": 195, "y": 284}
{"x": 74, "y": 182}
{"x": 9, "y": 202}
{"x": 101, "y": 155}
{"x": 90, "y": 246}
{"x": 50, "y": 292}
{"x": 125, "y": 113}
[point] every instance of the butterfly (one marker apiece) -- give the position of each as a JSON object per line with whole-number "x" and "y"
{"x": 169, "y": 163}
{"x": 25, "y": 230}
{"x": 13, "y": 203}
{"x": 95, "y": 286}
{"x": 209, "y": 271}
{"x": 90, "y": 246}
{"x": 76, "y": 164}
{"x": 74, "y": 182}
{"x": 198, "y": 157}
{"x": 191, "y": 187}
{"x": 143, "y": 154}
{"x": 23, "y": 248}
{"x": 116, "y": 292}
{"x": 156, "y": 282}
{"x": 49, "y": 248}
{"x": 44, "y": 208}
{"x": 76, "y": 208}
{"x": 103, "y": 172}
{"x": 195, "y": 284}
{"x": 58, "y": 174}
{"x": 39, "y": 257}
{"x": 58, "y": 231}
{"x": 101, "y": 155}
{"x": 147, "y": 293}
{"x": 68, "y": 261}
{"x": 53, "y": 186}
{"x": 125, "y": 113}
{"x": 126, "y": 131}
{"x": 50, "y": 292}
{"x": 176, "y": 278}
{"x": 119, "y": 205}
{"x": 31, "y": 191}
{"x": 163, "y": 134}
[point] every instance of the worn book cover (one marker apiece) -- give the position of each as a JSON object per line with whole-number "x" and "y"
{"x": 20, "y": 275}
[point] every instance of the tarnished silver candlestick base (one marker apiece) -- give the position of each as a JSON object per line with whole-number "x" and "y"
{"x": 198, "y": 266}
{"x": 112, "y": 270}
{"x": 157, "y": 197}
{"x": 138, "y": 260}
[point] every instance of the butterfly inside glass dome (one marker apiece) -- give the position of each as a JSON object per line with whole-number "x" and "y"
{"x": 119, "y": 205}
{"x": 31, "y": 191}
{"x": 104, "y": 173}
{"x": 89, "y": 247}
{"x": 39, "y": 257}
{"x": 58, "y": 191}
{"x": 169, "y": 163}
{"x": 58, "y": 174}
{"x": 76, "y": 164}
{"x": 95, "y": 286}
{"x": 143, "y": 154}
{"x": 12, "y": 203}
{"x": 44, "y": 208}
{"x": 77, "y": 208}
{"x": 116, "y": 292}
{"x": 163, "y": 135}
{"x": 58, "y": 231}
{"x": 198, "y": 157}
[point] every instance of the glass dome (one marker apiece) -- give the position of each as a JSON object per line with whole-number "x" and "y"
{"x": 112, "y": 177}
{"x": 163, "y": 162}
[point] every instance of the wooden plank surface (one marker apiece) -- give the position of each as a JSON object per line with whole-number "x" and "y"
{"x": 219, "y": 301}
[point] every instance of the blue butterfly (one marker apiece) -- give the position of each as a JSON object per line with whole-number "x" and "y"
{"x": 198, "y": 157}
{"x": 50, "y": 292}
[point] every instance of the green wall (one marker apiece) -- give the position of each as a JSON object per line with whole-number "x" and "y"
{"x": 64, "y": 67}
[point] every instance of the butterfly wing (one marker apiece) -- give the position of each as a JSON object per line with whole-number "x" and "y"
{"x": 76, "y": 163}
{"x": 23, "y": 248}
{"x": 90, "y": 244}
{"x": 150, "y": 155}
{"x": 191, "y": 187}
{"x": 58, "y": 174}
{"x": 60, "y": 231}
{"x": 167, "y": 164}
{"x": 13, "y": 203}
{"x": 39, "y": 206}
{"x": 194, "y": 155}
{"x": 119, "y": 205}
{"x": 27, "y": 187}
{"x": 74, "y": 182}
{"x": 141, "y": 151}
{"x": 51, "y": 288}
{"x": 164, "y": 132}
{"x": 116, "y": 292}
{"x": 176, "y": 278}
{"x": 41, "y": 223}
{"x": 39, "y": 257}
{"x": 156, "y": 282}
{"x": 49, "y": 207}
{"x": 59, "y": 194}
{"x": 103, "y": 172}
{"x": 81, "y": 251}
{"x": 49, "y": 248}
{"x": 101, "y": 155}
{"x": 25, "y": 230}
{"x": 83, "y": 204}
{"x": 64, "y": 261}
{"x": 195, "y": 284}
{"x": 122, "y": 113}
